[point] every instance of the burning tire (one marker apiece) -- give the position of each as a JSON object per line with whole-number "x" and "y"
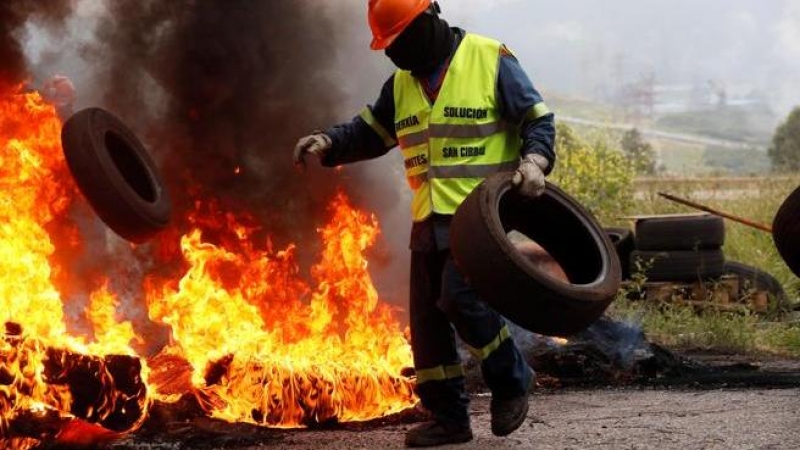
{"x": 679, "y": 265}
{"x": 518, "y": 289}
{"x": 680, "y": 233}
{"x": 786, "y": 231}
{"x": 622, "y": 238}
{"x": 115, "y": 174}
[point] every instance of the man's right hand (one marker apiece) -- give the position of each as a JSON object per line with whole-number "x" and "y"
{"x": 316, "y": 144}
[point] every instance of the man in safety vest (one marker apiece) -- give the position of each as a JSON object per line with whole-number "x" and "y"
{"x": 461, "y": 108}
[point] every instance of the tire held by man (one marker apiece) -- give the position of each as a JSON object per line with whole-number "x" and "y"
{"x": 116, "y": 174}
{"x": 509, "y": 282}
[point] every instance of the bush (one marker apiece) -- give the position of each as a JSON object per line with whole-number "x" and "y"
{"x": 597, "y": 175}
{"x": 639, "y": 152}
{"x": 785, "y": 149}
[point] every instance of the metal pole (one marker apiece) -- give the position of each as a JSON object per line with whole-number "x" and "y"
{"x": 743, "y": 221}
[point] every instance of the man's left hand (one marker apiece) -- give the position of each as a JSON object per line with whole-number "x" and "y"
{"x": 529, "y": 178}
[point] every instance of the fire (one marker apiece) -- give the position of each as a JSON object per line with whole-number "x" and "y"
{"x": 263, "y": 343}
{"x": 34, "y": 193}
{"x": 36, "y": 348}
{"x": 288, "y": 354}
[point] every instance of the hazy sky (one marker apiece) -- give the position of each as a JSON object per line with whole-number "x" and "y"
{"x": 571, "y": 46}
{"x": 567, "y": 43}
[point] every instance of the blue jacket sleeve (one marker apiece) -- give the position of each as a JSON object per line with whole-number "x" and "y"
{"x": 369, "y": 135}
{"x": 522, "y": 104}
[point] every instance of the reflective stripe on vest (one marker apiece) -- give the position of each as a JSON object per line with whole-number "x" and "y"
{"x": 450, "y": 146}
{"x": 370, "y": 119}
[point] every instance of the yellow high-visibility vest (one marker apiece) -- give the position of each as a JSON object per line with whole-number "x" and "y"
{"x": 450, "y": 146}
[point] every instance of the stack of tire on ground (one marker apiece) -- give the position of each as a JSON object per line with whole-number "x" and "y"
{"x": 684, "y": 249}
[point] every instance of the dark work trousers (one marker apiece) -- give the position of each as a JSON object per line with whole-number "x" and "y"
{"x": 442, "y": 301}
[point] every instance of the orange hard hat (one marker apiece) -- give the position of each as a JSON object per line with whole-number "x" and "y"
{"x": 388, "y": 18}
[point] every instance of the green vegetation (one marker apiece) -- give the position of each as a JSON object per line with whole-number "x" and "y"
{"x": 598, "y": 174}
{"x": 735, "y": 161}
{"x": 757, "y": 199}
{"x": 683, "y": 328}
{"x": 753, "y": 125}
{"x": 785, "y": 149}
{"x": 736, "y": 124}
{"x": 594, "y": 172}
{"x": 639, "y": 152}
{"x": 571, "y": 106}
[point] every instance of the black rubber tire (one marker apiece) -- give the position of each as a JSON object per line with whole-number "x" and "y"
{"x": 679, "y": 265}
{"x": 756, "y": 279}
{"x": 622, "y": 238}
{"x": 115, "y": 174}
{"x": 705, "y": 232}
{"x": 786, "y": 231}
{"x": 508, "y": 281}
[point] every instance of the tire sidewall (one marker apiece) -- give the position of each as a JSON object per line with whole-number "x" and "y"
{"x": 610, "y": 274}
{"x": 103, "y": 184}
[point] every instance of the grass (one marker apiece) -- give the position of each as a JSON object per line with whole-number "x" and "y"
{"x": 734, "y": 123}
{"x": 587, "y": 109}
{"x": 591, "y": 170}
{"x": 682, "y": 327}
{"x": 756, "y": 199}
{"x": 679, "y": 157}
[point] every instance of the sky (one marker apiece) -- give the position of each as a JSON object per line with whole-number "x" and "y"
{"x": 580, "y": 47}
{"x": 571, "y": 45}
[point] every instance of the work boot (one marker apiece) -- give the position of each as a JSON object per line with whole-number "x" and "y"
{"x": 509, "y": 414}
{"x": 431, "y": 434}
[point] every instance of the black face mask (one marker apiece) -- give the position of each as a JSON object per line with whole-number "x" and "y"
{"x": 423, "y": 46}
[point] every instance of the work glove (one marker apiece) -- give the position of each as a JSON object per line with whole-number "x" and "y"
{"x": 529, "y": 178}
{"x": 317, "y": 144}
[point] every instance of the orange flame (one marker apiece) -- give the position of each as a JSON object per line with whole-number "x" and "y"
{"x": 263, "y": 344}
{"x": 37, "y": 192}
{"x": 331, "y": 352}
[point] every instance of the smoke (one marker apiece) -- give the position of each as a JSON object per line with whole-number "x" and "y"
{"x": 14, "y": 15}
{"x": 220, "y": 92}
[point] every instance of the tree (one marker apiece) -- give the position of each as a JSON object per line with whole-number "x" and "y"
{"x": 785, "y": 150}
{"x": 597, "y": 174}
{"x": 639, "y": 152}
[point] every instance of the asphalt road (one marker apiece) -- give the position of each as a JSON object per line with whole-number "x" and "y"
{"x": 612, "y": 420}
{"x": 599, "y": 419}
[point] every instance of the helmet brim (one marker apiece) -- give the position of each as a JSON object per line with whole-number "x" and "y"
{"x": 384, "y": 42}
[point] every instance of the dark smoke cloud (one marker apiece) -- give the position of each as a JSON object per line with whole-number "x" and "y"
{"x": 14, "y": 14}
{"x": 214, "y": 86}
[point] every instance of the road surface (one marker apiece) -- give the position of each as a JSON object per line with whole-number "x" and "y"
{"x": 606, "y": 419}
